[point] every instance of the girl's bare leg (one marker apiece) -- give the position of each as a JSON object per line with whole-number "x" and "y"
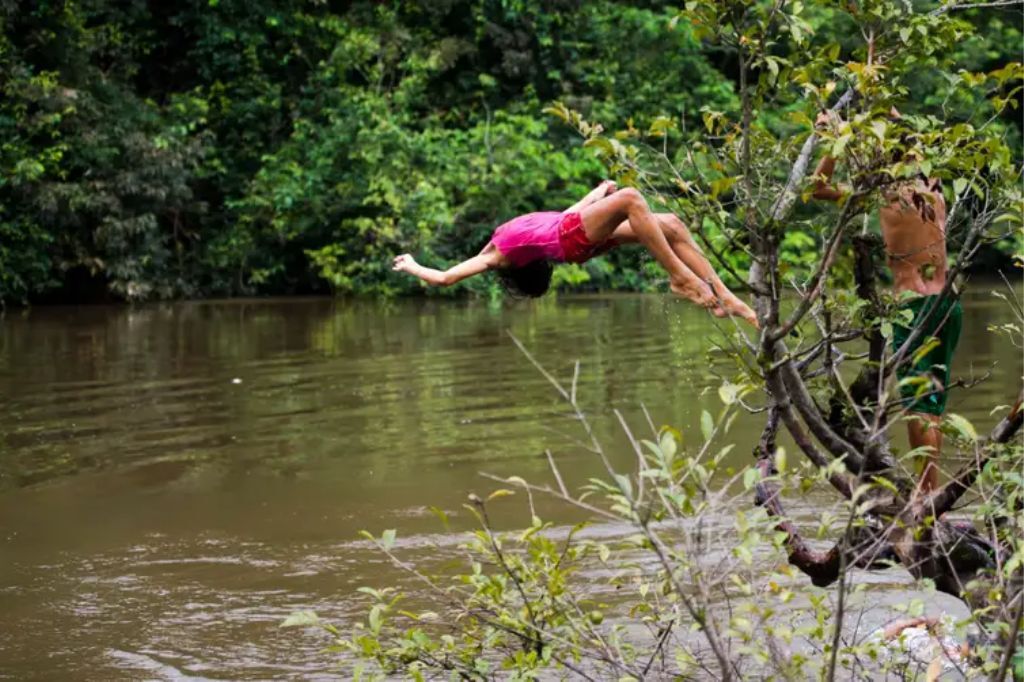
{"x": 601, "y": 218}
{"x": 688, "y": 251}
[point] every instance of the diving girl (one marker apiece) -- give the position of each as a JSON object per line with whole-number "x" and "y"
{"x": 522, "y": 250}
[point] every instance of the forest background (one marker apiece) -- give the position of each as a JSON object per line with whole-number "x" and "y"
{"x": 263, "y": 147}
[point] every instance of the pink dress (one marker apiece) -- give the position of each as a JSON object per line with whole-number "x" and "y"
{"x": 530, "y": 237}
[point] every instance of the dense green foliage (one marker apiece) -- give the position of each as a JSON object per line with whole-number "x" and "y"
{"x": 220, "y": 147}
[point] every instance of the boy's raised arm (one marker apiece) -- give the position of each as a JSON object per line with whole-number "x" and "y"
{"x": 823, "y": 187}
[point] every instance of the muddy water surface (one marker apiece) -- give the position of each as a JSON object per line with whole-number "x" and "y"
{"x": 175, "y": 479}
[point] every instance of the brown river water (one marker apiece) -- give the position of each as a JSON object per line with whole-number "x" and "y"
{"x": 175, "y": 479}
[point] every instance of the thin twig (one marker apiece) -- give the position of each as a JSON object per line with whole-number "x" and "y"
{"x": 558, "y": 476}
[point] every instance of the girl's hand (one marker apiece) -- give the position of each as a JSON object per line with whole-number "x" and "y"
{"x": 608, "y": 186}
{"x": 403, "y": 263}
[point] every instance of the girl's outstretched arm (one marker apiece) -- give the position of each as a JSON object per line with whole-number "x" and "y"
{"x": 443, "y": 278}
{"x": 600, "y": 192}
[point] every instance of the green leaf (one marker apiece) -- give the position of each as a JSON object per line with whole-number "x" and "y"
{"x": 722, "y": 185}
{"x": 661, "y": 125}
{"x": 930, "y": 344}
{"x": 603, "y": 145}
{"x": 883, "y": 482}
{"x": 441, "y": 514}
{"x": 750, "y": 477}
{"x": 780, "y": 460}
{"x": 502, "y": 492}
{"x": 558, "y": 109}
{"x": 300, "y": 619}
{"x": 387, "y": 539}
{"x": 839, "y": 146}
{"x": 625, "y": 485}
{"x": 709, "y": 119}
{"x": 961, "y": 426}
{"x": 667, "y": 445}
{"x": 959, "y": 185}
{"x": 707, "y": 425}
{"x": 878, "y": 128}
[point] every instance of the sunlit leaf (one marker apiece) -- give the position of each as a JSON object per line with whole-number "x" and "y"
{"x": 300, "y": 619}
{"x": 667, "y": 444}
{"x": 387, "y": 538}
{"x": 780, "y": 460}
{"x": 961, "y": 426}
{"x": 750, "y": 477}
{"x": 707, "y": 425}
{"x": 625, "y": 485}
{"x": 727, "y": 392}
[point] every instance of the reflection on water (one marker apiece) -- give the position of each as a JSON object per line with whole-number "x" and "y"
{"x": 174, "y": 479}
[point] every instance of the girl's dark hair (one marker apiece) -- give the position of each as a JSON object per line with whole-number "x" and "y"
{"x": 526, "y": 281}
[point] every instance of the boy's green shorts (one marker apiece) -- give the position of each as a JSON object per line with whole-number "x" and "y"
{"x": 944, "y": 325}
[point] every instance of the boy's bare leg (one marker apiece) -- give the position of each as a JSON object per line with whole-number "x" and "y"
{"x": 923, "y": 430}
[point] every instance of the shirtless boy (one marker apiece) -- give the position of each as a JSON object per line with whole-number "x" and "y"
{"x": 913, "y": 223}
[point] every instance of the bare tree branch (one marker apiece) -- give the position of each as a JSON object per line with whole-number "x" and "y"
{"x": 956, "y": 7}
{"x": 817, "y": 281}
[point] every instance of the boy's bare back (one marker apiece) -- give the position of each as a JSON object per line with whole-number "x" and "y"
{"x": 914, "y": 229}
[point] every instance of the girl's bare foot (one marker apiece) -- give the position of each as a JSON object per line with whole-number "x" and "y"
{"x": 698, "y": 292}
{"x": 702, "y": 294}
{"x": 749, "y": 316}
{"x": 734, "y": 306}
